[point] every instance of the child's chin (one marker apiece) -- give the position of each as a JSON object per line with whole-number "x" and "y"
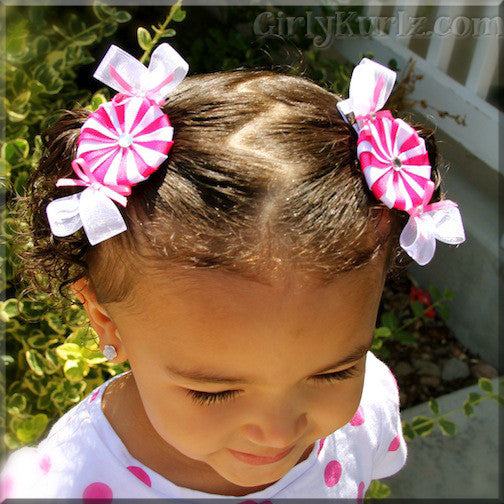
{"x": 255, "y": 478}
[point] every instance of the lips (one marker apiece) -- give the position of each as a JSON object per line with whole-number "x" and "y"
{"x": 260, "y": 459}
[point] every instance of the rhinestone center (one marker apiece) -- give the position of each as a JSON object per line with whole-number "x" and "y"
{"x": 396, "y": 163}
{"x": 125, "y": 140}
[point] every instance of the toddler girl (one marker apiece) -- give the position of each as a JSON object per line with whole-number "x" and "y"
{"x": 227, "y": 238}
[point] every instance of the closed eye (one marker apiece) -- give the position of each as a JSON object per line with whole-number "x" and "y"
{"x": 200, "y": 397}
{"x": 337, "y": 376}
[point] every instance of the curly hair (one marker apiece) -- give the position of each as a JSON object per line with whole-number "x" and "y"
{"x": 263, "y": 173}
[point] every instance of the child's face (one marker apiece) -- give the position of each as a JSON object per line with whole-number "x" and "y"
{"x": 281, "y": 339}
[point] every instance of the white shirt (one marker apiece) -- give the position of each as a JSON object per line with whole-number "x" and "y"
{"x": 83, "y": 457}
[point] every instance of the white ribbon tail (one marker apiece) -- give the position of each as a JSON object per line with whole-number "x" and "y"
{"x": 448, "y": 225}
{"x": 63, "y": 215}
{"x": 100, "y": 216}
{"x": 417, "y": 239}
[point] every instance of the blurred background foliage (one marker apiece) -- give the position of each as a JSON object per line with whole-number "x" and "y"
{"x": 52, "y": 359}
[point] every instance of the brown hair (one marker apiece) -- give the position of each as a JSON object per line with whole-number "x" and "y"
{"x": 263, "y": 171}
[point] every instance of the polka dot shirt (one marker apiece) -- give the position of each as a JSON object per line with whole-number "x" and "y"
{"x": 83, "y": 457}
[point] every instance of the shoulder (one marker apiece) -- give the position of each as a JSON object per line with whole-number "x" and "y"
{"x": 380, "y": 399}
{"x": 59, "y": 463}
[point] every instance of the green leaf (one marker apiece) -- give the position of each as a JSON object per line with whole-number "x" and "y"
{"x": 109, "y": 28}
{"x": 38, "y": 339}
{"x": 20, "y": 102}
{"x": 499, "y": 399}
{"x": 122, "y": 16}
{"x": 405, "y": 337}
{"x": 434, "y": 406}
{"x": 75, "y": 370}
{"x": 485, "y": 385}
{"x": 377, "y": 344}
{"x": 44, "y": 402}
{"x": 468, "y": 409}
{"x": 434, "y": 292}
{"x": 7, "y": 359}
{"x": 16, "y": 151}
{"x": 447, "y": 428}
{"x": 408, "y": 432}
{"x": 16, "y": 403}
{"x": 55, "y": 323}
{"x": 179, "y": 15}
{"x": 473, "y": 397}
{"x": 144, "y": 38}
{"x": 52, "y": 357}
{"x": 444, "y": 311}
{"x": 35, "y": 360}
{"x": 85, "y": 39}
{"x": 389, "y": 319}
{"x": 30, "y": 429}
{"x": 12, "y": 441}
{"x": 97, "y": 100}
{"x": 69, "y": 351}
{"x": 418, "y": 308}
{"x": 382, "y": 332}
{"x": 377, "y": 490}
{"x": 422, "y": 425}
{"x": 448, "y": 294}
{"x": 48, "y": 77}
{"x": 93, "y": 357}
{"x": 10, "y": 309}
{"x": 169, "y": 33}
{"x": 101, "y": 11}
{"x": 75, "y": 24}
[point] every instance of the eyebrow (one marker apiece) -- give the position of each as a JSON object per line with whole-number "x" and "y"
{"x": 206, "y": 376}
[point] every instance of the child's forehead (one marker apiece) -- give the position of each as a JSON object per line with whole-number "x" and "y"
{"x": 288, "y": 279}
{"x": 208, "y": 292}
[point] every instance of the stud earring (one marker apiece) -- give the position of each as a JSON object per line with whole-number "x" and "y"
{"x": 109, "y": 352}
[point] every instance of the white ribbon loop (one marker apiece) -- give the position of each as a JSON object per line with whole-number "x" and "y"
{"x": 418, "y": 238}
{"x": 137, "y": 80}
{"x": 370, "y": 87}
{"x": 90, "y": 209}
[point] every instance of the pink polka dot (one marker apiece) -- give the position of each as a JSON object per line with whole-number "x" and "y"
{"x": 95, "y": 393}
{"x": 45, "y": 464}
{"x": 97, "y": 490}
{"x": 394, "y": 445}
{"x": 360, "y": 492}
{"x": 358, "y": 418}
{"x": 322, "y": 441}
{"x": 332, "y": 473}
{"x": 6, "y": 487}
{"x": 140, "y": 474}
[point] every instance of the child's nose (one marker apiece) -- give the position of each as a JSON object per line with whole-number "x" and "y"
{"x": 275, "y": 426}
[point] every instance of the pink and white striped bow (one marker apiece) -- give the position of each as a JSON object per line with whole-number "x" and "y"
{"x": 428, "y": 223}
{"x": 395, "y": 162}
{"x": 120, "y": 144}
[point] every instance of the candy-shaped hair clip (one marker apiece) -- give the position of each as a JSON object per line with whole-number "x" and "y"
{"x": 120, "y": 144}
{"x": 395, "y": 163}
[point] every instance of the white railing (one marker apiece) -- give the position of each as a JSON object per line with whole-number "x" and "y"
{"x": 477, "y": 127}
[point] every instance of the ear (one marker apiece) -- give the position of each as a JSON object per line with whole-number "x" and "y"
{"x": 101, "y": 321}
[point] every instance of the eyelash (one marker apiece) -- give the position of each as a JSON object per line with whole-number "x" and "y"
{"x": 206, "y": 398}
